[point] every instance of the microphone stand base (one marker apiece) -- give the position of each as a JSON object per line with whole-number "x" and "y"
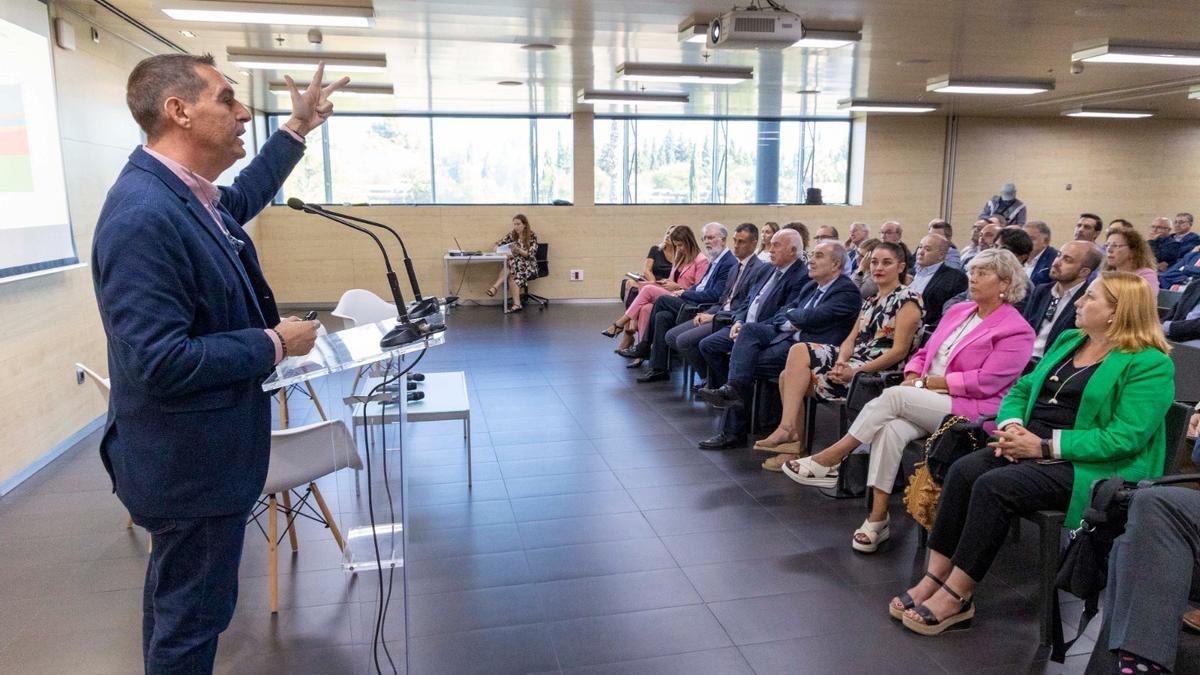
{"x": 407, "y": 332}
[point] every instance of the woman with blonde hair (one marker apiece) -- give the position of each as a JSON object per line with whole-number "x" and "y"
{"x": 767, "y": 231}
{"x": 687, "y": 269}
{"x": 1094, "y": 406}
{"x": 1127, "y": 251}
{"x": 522, "y": 260}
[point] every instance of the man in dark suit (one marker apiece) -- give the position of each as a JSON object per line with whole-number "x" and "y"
{"x": 704, "y": 292}
{"x": 1050, "y": 307}
{"x": 1183, "y": 323}
{"x": 1181, "y": 241}
{"x": 1037, "y": 267}
{"x": 193, "y": 332}
{"x": 824, "y": 312}
{"x": 685, "y": 337}
{"x": 936, "y": 281}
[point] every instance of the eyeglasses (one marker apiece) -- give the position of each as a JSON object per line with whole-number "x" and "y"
{"x": 1116, "y": 245}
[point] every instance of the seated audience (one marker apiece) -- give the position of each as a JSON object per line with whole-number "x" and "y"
{"x": 1005, "y": 204}
{"x": 1160, "y": 232}
{"x": 1037, "y": 267}
{"x": 987, "y": 238}
{"x": 804, "y": 238}
{"x": 671, "y": 327}
{"x": 965, "y": 368}
{"x": 862, "y": 274}
{"x": 522, "y": 261}
{"x": 1017, "y": 241}
{"x": 1186, "y": 269}
{"x": 657, "y": 266}
{"x": 773, "y": 292}
{"x": 1088, "y": 227}
{"x": 859, "y": 233}
{"x": 1119, "y": 222}
{"x": 891, "y": 232}
{"x": 768, "y": 230}
{"x": 825, "y": 233}
{"x": 942, "y": 227}
{"x": 976, "y": 246}
{"x": 1050, "y": 307}
{"x": 1181, "y": 241}
{"x": 1128, "y": 252}
{"x": 689, "y": 268}
{"x": 1152, "y": 570}
{"x": 824, "y": 311}
{"x": 934, "y": 279}
{"x": 882, "y": 337}
{"x": 1183, "y": 322}
{"x": 1093, "y": 407}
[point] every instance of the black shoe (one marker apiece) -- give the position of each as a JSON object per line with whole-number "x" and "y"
{"x": 703, "y": 385}
{"x": 723, "y": 441}
{"x": 637, "y": 351}
{"x": 725, "y": 396}
{"x": 655, "y": 376}
{"x": 636, "y": 363}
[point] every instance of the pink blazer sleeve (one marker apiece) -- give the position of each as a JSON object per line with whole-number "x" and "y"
{"x": 693, "y": 273}
{"x": 1001, "y": 357}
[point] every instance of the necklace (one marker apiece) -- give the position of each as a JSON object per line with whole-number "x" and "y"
{"x": 1054, "y": 377}
{"x": 949, "y": 345}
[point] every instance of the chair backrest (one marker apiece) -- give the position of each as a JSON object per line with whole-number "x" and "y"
{"x": 103, "y": 384}
{"x": 543, "y": 260}
{"x": 1167, "y": 299}
{"x": 304, "y": 454}
{"x": 1178, "y": 416}
{"x": 358, "y": 307}
{"x": 1187, "y": 364}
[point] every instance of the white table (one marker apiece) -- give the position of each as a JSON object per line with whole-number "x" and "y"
{"x": 445, "y": 399}
{"x": 484, "y": 257}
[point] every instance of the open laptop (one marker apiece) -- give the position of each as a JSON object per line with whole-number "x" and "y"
{"x": 460, "y": 250}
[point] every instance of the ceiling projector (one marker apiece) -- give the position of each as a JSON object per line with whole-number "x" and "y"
{"x": 766, "y": 28}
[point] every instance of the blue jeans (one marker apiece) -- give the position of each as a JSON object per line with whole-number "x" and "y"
{"x": 191, "y": 589}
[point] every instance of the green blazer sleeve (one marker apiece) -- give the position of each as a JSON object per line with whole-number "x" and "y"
{"x": 1142, "y": 395}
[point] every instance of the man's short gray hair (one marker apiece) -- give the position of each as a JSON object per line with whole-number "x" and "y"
{"x": 1040, "y": 226}
{"x": 837, "y": 252}
{"x": 1007, "y": 267}
{"x": 724, "y": 232}
{"x": 159, "y": 77}
{"x": 792, "y": 237}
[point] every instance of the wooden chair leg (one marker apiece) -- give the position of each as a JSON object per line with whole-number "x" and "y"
{"x": 316, "y": 401}
{"x": 337, "y": 534}
{"x": 283, "y": 408}
{"x": 272, "y": 553}
{"x": 291, "y": 520}
{"x": 129, "y": 523}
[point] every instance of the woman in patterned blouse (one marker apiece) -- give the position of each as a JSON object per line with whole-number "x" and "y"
{"x": 522, "y": 260}
{"x": 882, "y": 338}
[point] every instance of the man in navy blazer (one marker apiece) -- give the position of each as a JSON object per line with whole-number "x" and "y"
{"x": 1037, "y": 266}
{"x": 1183, "y": 323}
{"x": 193, "y": 331}
{"x": 703, "y": 292}
{"x": 685, "y": 335}
{"x": 1050, "y": 307}
{"x": 824, "y": 312}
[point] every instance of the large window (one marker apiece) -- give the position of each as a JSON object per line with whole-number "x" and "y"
{"x": 720, "y": 161}
{"x": 375, "y": 159}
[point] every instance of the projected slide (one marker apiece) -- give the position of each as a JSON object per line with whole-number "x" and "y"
{"x": 35, "y": 226}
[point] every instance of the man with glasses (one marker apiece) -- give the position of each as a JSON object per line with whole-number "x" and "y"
{"x": 1050, "y": 307}
{"x": 1180, "y": 242}
{"x": 1160, "y": 229}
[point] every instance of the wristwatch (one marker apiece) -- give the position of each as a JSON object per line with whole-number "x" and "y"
{"x": 919, "y": 383}
{"x": 1046, "y": 449}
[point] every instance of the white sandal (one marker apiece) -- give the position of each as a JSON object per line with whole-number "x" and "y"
{"x": 805, "y": 471}
{"x": 875, "y": 534}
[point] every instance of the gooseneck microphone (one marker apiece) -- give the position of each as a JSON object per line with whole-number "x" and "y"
{"x": 422, "y": 307}
{"x": 405, "y": 331}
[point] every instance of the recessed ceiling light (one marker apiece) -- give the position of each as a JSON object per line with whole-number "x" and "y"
{"x": 954, "y": 85}
{"x": 187, "y": 33}
{"x": 1107, "y": 51}
{"x": 539, "y": 47}
{"x": 628, "y": 97}
{"x": 682, "y": 72}
{"x": 281, "y": 89}
{"x": 914, "y": 62}
{"x": 274, "y": 59}
{"x": 269, "y": 13}
{"x": 808, "y": 92}
{"x": 816, "y": 38}
{"x": 1102, "y": 9}
{"x": 1088, "y": 111}
{"x": 865, "y": 105}
{"x": 510, "y": 83}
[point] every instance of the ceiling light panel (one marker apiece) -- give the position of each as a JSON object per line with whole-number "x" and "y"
{"x": 268, "y": 13}
{"x": 864, "y": 105}
{"x": 955, "y": 85}
{"x": 628, "y": 97}
{"x": 281, "y": 88}
{"x": 682, "y": 72}
{"x": 1111, "y": 113}
{"x": 275, "y": 59}
{"x": 815, "y": 38}
{"x": 1107, "y": 51}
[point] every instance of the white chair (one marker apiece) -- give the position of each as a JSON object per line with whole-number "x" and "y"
{"x": 104, "y": 386}
{"x": 299, "y": 457}
{"x": 358, "y": 307}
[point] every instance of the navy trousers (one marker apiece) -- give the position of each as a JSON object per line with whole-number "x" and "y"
{"x": 715, "y": 349}
{"x": 662, "y": 319}
{"x": 191, "y": 589}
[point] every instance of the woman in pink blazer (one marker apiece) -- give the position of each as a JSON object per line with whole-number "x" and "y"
{"x": 688, "y": 269}
{"x": 965, "y": 368}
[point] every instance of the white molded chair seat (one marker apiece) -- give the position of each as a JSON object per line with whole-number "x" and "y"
{"x": 358, "y": 306}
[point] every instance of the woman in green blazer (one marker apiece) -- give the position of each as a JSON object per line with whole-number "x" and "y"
{"x": 1093, "y": 407}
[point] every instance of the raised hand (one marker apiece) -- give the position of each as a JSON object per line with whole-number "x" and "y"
{"x": 311, "y": 107}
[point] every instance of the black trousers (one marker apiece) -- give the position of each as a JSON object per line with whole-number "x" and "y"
{"x": 191, "y": 589}
{"x": 981, "y": 496}
{"x": 662, "y": 319}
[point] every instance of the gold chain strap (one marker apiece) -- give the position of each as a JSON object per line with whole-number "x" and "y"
{"x": 943, "y": 429}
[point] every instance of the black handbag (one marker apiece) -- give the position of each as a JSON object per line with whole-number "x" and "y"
{"x": 1083, "y": 569}
{"x": 957, "y": 441}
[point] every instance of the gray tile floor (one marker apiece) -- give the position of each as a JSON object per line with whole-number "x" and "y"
{"x": 596, "y": 539}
